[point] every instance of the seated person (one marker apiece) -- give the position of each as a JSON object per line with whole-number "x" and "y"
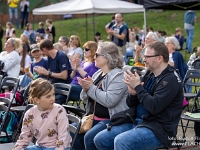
{"x": 160, "y": 92}
{"x": 139, "y": 54}
{"x": 74, "y": 50}
{"x": 40, "y": 31}
{"x": 59, "y": 67}
{"x": 46, "y": 120}
{"x": 193, "y": 57}
{"x": 175, "y": 57}
{"x": 38, "y": 61}
{"x": 64, "y": 41}
{"x": 11, "y": 58}
{"x": 180, "y": 37}
{"x": 130, "y": 47}
{"x": 106, "y": 89}
{"x": 83, "y": 69}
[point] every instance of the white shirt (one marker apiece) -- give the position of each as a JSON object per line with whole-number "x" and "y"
{"x": 11, "y": 63}
{"x": 27, "y": 61}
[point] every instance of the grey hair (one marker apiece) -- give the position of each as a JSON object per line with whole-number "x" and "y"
{"x": 112, "y": 54}
{"x": 154, "y": 36}
{"x": 65, "y": 39}
{"x": 174, "y": 41}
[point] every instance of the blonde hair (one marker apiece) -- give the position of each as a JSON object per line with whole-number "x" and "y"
{"x": 75, "y": 40}
{"x": 25, "y": 37}
{"x": 39, "y": 88}
{"x": 58, "y": 46}
{"x": 16, "y": 42}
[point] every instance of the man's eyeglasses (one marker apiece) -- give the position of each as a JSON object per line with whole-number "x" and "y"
{"x": 97, "y": 55}
{"x": 87, "y": 49}
{"x": 149, "y": 56}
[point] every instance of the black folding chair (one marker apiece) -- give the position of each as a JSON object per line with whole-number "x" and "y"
{"x": 75, "y": 110}
{"x": 63, "y": 89}
{"x": 188, "y": 118}
{"x": 12, "y": 83}
{"x": 4, "y": 123}
{"x": 73, "y": 129}
{"x": 191, "y": 79}
{"x": 18, "y": 131}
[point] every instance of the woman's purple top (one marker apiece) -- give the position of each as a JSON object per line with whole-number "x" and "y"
{"x": 90, "y": 69}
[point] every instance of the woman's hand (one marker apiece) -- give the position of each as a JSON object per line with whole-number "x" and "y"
{"x": 86, "y": 83}
{"x": 73, "y": 64}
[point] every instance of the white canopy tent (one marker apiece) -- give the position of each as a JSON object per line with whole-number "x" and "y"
{"x": 90, "y": 7}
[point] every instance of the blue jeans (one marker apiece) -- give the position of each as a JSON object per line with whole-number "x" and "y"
{"x": 35, "y": 147}
{"x": 13, "y": 12}
{"x": 137, "y": 139}
{"x": 24, "y": 16}
{"x": 75, "y": 92}
{"x": 129, "y": 53}
{"x": 190, "y": 36}
{"x": 127, "y": 137}
{"x": 88, "y": 138}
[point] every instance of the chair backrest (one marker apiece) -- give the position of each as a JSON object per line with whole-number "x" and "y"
{"x": 5, "y": 100}
{"x": 191, "y": 74}
{"x": 63, "y": 89}
{"x": 140, "y": 70}
{"x": 126, "y": 67}
{"x": 73, "y": 129}
{"x": 4, "y": 122}
{"x": 10, "y": 82}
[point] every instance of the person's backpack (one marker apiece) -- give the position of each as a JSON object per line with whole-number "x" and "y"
{"x": 10, "y": 123}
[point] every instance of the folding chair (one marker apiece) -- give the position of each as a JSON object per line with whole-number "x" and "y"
{"x": 73, "y": 129}
{"x": 63, "y": 89}
{"x": 12, "y": 83}
{"x": 18, "y": 131}
{"x": 4, "y": 123}
{"x": 75, "y": 110}
{"x": 192, "y": 76}
{"x": 5, "y": 101}
{"x": 185, "y": 117}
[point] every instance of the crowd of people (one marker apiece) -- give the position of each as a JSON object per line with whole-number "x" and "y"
{"x": 95, "y": 73}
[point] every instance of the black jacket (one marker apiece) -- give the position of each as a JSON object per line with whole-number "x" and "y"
{"x": 164, "y": 104}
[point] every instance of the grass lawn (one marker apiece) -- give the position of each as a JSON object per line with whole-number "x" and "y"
{"x": 167, "y": 20}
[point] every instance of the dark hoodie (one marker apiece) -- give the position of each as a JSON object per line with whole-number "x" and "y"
{"x": 164, "y": 103}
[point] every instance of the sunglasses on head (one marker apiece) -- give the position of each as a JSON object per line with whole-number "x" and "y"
{"x": 87, "y": 49}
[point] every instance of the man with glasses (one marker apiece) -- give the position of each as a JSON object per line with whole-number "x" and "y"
{"x": 161, "y": 93}
{"x": 59, "y": 68}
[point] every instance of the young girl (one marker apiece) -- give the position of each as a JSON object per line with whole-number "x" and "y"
{"x": 46, "y": 120}
{"x": 24, "y": 56}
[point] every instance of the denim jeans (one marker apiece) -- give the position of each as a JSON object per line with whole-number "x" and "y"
{"x": 35, "y": 147}
{"x": 88, "y": 138}
{"x": 75, "y": 92}
{"x": 190, "y": 36}
{"x": 24, "y": 16}
{"x": 14, "y": 12}
{"x": 137, "y": 139}
{"x": 104, "y": 140}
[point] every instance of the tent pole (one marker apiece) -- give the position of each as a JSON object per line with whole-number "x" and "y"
{"x": 33, "y": 21}
{"x": 93, "y": 25}
{"x": 145, "y": 23}
{"x": 86, "y": 28}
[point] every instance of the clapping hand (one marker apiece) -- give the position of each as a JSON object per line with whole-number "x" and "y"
{"x": 86, "y": 83}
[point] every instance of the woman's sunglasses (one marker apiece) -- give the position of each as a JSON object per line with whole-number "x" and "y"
{"x": 87, "y": 49}
{"x": 97, "y": 55}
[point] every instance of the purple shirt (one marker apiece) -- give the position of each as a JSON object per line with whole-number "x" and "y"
{"x": 90, "y": 69}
